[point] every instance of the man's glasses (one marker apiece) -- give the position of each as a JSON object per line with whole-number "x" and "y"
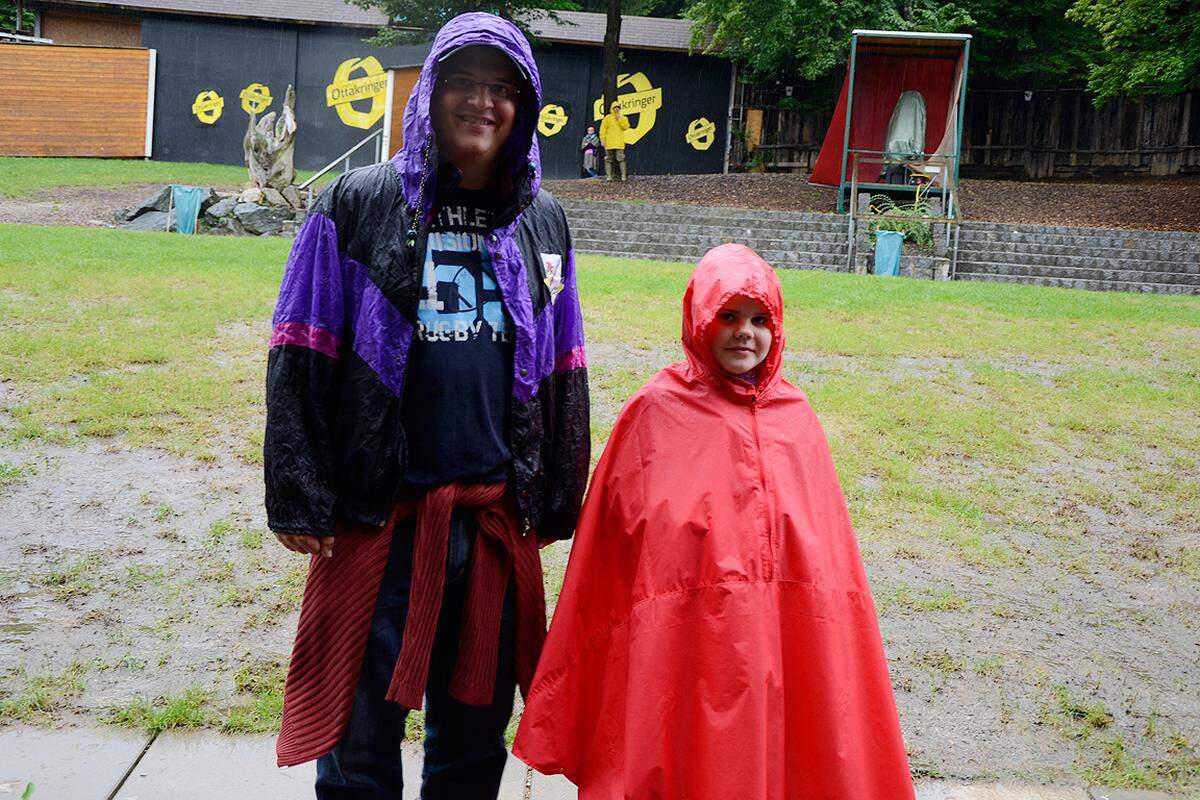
{"x": 461, "y": 84}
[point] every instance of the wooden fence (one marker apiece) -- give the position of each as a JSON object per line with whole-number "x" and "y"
{"x": 60, "y": 100}
{"x": 1007, "y": 132}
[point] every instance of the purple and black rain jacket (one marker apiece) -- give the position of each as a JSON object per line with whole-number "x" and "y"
{"x": 334, "y": 445}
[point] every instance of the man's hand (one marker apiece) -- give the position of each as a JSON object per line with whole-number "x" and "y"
{"x": 302, "y": 543}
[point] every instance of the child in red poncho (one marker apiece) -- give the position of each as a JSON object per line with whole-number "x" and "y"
{"x": 715, "y": 637}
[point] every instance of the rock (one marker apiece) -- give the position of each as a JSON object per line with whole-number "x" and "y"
{"x": 156, "y": 202}
{"x": 147, "y": 221}
{"x": 292, "y": 195}
{"x": 251, "y": 195}
{"x": 221, "y": 208}
{"x": 222, "y": 226}
{"x": 261, "y": 220}
{"x": 273, "y": 197}
{"x": 123, "y": 215}
{"x": 209, "y": 198}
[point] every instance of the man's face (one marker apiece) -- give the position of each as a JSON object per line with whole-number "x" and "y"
{"x": 615, "y": 108}
{"x": 591, "y": 129}
{"x": 475, "y": 104}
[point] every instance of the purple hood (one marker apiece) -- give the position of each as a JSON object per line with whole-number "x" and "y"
{"x": 521, "y": 151}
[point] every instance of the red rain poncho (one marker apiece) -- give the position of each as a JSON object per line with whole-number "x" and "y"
{"x": 715, "y": 637}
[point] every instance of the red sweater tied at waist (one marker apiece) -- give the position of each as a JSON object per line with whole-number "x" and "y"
{"x": 339, "y": 600}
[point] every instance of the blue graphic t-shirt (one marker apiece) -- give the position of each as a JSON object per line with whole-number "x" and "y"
{"x": 459, "y": 381}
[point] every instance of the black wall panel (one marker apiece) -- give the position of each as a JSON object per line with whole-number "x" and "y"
{"x": 203, "y": 54}
{"x": 692, "y": 87}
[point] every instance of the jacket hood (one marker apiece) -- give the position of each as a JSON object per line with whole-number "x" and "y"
{"x": 728, "y": 271}
{"x": 417, "y": 159}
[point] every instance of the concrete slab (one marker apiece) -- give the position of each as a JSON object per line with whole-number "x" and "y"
{"x": 69, "y": 764}
{"x": 205, "y": 765}
{"x": 1101, "y": 793}
{"x": 209, "y": 766}
{"x": 952, "y": 790}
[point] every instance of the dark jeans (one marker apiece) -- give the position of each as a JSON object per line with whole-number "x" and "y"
{"x": 464, "y": 745}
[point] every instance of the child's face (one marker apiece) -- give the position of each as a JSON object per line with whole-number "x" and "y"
{"x": 741, "y": 335}
{"x": 475, "y": 105}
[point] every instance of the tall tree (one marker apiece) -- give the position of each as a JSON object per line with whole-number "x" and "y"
{"x": 1148, "y": 46}
{"x": 1031, "y": 42}
{"x": 415, "y": 21}
{"x": 612, "y": 51}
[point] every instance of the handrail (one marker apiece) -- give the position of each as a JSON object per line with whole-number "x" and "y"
{"x": 345, "y": 158}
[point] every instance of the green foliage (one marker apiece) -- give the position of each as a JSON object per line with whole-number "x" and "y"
{"x": 8, "y": 17}
{"x": 904, "y": 218}
{"x": 1148, "y": 46}
{"x": 415, "y": 21}
{"x": 1032, "y": 42}
{"x": 808, "y": 39}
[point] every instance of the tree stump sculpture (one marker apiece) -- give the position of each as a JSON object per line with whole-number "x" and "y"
{"x": 269, "y": 146}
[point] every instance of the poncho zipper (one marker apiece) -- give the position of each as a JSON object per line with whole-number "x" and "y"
{"x": 769, "y": 561}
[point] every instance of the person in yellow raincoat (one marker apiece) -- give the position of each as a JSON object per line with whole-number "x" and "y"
{"x": 612, "y": 138}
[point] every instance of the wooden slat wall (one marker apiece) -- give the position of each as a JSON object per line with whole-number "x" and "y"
{"x": 1054, "y": 134}
{"x": 405, "y": 80}
{"x": 73, "y": 101}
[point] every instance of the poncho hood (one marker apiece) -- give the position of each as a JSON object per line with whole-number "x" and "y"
{"x": 417, "y": 158}
{"x": 725, "y": 272}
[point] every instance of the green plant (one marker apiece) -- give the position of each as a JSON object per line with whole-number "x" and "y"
{"x": 906, "y": 218}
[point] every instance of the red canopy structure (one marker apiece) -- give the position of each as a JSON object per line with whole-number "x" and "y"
{"x": 883, "y": 66}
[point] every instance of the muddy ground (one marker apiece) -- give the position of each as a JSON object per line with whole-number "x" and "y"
{"x": 130, "y": 574}
{"x": 74, "y": 205}
{"x": 144, "y": 574}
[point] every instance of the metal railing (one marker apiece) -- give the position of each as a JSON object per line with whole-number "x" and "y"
{"x": 344, "y": 160}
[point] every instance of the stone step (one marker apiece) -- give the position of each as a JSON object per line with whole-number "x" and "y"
{"x": 722, "y": 213}
{"x": 1081, "y": 273}
{"x": 1075, "y": 283}
{"x": 1135, "y": 253}
{"x": 707, "y": 240}
{"x": 1071, "y": 229}
{"x": 676, "y": 256}
{"x": 680, "y": 224}
{"x": 1071, "y": 262}
{"x": 1083, "y": 237}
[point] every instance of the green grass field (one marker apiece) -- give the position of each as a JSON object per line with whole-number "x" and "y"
{"x": 20, "y": 177}
{"x": 975, "y": 428}
{"x": 940, "y": 394}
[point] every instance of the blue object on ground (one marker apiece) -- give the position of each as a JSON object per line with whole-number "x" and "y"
{"x": 887, "y": 252}
{"x": 186, "y": 200}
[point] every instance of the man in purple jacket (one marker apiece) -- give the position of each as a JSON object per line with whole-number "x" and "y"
{"x": 427, "y": 425}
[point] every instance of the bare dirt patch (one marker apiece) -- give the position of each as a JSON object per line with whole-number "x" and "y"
{"x": 93, "y": 206}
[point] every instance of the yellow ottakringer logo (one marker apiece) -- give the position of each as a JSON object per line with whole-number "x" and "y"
{"x": 347, "y": 89}
{"x": 701, "y": 133}
{"x": 255, "y": 98}
{"x": 552, "y": 119}
{"x": 643, "y": 102}
{"x": 208, "y": 106}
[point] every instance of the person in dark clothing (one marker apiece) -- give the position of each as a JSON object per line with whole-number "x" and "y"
{"x": 590, "y": 147}
{"x": 427, "y": 427}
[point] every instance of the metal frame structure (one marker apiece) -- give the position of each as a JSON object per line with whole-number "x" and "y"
{"x": 955, "y": 156}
